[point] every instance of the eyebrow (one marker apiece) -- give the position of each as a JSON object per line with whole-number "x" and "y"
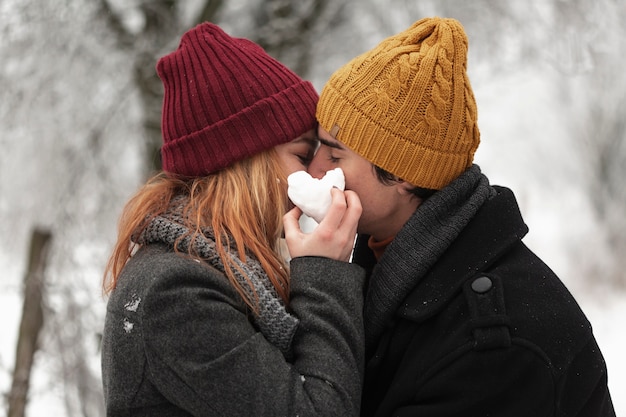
{"x": 310, "y": 141}
{"x": 331, "y": 144}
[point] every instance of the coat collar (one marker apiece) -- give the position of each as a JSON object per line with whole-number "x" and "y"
{"x": 496, "y": 227}
{"x": 425, "y": 237}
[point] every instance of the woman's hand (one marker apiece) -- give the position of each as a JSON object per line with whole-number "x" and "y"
{"x": 334, "y": 236}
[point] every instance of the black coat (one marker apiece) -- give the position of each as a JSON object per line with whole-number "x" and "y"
{"x": 490, "y": 330}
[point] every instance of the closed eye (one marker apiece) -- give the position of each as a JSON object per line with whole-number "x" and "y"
{"x": 305, "y": 159}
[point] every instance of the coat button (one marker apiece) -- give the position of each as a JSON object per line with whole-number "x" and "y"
{"x": 482, "y": 285}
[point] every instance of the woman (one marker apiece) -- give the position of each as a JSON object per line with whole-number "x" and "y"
{"x": 204, "y": 317}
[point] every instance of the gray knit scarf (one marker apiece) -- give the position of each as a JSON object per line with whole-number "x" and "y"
{"x": 420, "y": 243}
{"x": 273, "y": 320}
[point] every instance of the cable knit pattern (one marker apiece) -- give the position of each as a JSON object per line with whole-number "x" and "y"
{"x": 275, "y": 323}
{"x": 427, "y": 234}
{"x": 407, "y": 105}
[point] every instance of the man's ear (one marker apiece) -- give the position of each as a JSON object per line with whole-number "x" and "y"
{"x": 406, "y": 191}
{"x": 403, "y": 187}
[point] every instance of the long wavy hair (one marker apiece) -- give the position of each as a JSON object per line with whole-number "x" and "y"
{"x": 243, "y": 205}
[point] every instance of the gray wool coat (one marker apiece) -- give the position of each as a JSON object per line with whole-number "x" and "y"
{"x": 178, "y": 341}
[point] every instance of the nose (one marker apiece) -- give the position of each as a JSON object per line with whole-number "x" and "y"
{"x": 317, "y": 167}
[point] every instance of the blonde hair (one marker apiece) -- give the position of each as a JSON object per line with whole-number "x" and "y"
{"x": 242, "y": 204}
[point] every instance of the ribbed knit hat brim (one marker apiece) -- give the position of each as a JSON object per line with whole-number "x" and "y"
{"x": 225, "y": 99}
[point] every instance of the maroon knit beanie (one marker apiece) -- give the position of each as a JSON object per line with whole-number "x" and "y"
{"x": 226, "y": 99}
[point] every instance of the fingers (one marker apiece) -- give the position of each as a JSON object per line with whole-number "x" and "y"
{"x": 354, "y": 210}
{"x": 336, "y": 211}
{"x": 344, "y": 212}
{"x": 334, "y": 236}
{"x": 291, "y": 221}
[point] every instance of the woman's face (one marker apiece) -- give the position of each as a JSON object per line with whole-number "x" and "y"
{"x": 298, "y": 154}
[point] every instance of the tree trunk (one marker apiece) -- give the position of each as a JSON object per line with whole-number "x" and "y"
{"x": 31, "y": 324}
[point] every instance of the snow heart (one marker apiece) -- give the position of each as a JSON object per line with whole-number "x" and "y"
{"x": 312, "y": 195}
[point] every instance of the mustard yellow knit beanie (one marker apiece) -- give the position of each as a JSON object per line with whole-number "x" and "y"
{"x": 407, "y": 105}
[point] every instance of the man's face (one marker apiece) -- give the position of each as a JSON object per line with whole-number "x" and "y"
{"x": 384, "y": 205}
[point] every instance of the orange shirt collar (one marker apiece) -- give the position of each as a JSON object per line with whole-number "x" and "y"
{"x": 378, "y": 247}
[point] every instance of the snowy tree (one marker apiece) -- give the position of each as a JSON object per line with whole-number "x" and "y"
{"x": 67, "y": 127}
{"x": 74, "y": 87}
{"x": 80, "y": 116}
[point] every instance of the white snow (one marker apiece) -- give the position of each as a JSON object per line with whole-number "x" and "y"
{"x": 312, "y": 195}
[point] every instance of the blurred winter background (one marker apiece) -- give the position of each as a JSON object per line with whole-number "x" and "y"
{"x": 79, "y": 131}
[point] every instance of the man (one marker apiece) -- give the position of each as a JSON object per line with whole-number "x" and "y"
{"x": 461, "y": 318}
